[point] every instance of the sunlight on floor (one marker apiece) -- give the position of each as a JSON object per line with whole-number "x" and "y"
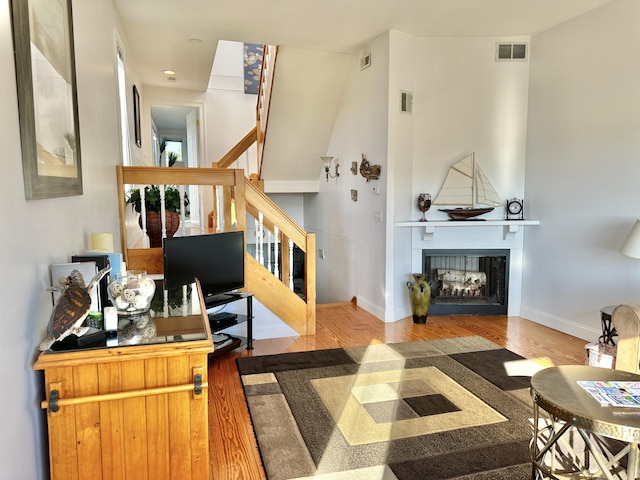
{"x": 527, "y": 367}
{"x": 375, "y": 353}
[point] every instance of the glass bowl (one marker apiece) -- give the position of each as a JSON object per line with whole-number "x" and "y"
{"x": 131, "y": 293}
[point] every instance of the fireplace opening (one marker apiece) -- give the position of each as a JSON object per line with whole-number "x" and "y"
{"x": 467, "y": 281}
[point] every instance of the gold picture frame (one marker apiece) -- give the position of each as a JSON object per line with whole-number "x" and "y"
{"x": 47, "y": 98}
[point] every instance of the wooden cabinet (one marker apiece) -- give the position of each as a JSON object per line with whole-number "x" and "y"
{"x": 132, "y": 411}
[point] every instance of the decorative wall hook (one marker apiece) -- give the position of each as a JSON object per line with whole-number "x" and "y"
{"x": 368, "y": 171}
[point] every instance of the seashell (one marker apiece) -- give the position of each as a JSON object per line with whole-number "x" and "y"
{"x": 147, "y": 287}
{"x": 121, "y": 303}
{"x": 140, "y": 301}
{"x": 129, "y": 295}
{"x": 116, "y": 289}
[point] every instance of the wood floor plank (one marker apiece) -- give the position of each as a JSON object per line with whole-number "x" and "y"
{"x": 233, "y": 447}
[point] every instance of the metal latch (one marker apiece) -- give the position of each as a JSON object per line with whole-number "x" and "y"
{"x": 54, "y": 396}
{"x": 197, "y": 384}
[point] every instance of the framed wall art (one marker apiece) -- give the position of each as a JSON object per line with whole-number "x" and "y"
{"x": 136, "y": 116}
{"x": 47, "y": 98}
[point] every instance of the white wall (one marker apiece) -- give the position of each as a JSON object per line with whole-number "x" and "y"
{"x": 402, "y": 132}
{"x": 583, "y": 148}
{"x": 353, "y": 241}
{"x": 40, "y": 232}
{"x": 466, "y": 102}
{"x": 231, "y": 113}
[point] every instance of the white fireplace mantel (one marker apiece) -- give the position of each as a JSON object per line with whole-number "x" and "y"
{"x": 485, "y": 234}
{"x": 510, "y": 227}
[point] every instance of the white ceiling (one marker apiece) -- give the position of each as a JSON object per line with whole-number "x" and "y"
{"x": 182, "y": 35}
{"x": 170, "y": 117}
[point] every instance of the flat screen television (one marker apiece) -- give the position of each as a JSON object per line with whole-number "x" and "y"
{"x": 216, "y": 260}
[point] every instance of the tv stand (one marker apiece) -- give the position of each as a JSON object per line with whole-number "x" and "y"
{"x": 232, "y": 319}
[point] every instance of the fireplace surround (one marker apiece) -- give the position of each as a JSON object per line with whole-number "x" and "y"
{"x": 467, "y": 281}
{"x": 489, "y": 234}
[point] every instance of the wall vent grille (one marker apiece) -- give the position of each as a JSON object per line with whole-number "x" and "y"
{"x": 512, "y": 52}
{"x": 365, "y": 62}
{"x": 406, "y": 102}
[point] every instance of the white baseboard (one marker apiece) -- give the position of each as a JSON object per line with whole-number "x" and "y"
{"x": 561, "y": 324}
{"x": 379, "y": 312}
{"x": 371, "y": 307}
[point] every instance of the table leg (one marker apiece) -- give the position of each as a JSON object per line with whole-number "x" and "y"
{"x": 608, "y": 330}
{"x": 539, "y": 469}
{"x": 632, "y": 462}
{"x": 250, "y": 322}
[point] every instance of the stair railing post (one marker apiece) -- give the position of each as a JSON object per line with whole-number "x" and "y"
{"x": 143, "y": 216}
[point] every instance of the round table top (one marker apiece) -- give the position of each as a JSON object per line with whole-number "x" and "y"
{"x": 556, "y": 390}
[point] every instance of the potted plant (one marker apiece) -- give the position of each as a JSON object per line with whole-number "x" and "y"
{"x": 152, "y": 204}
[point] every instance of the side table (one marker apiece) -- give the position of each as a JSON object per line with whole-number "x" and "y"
{"x": 571, "y": 409}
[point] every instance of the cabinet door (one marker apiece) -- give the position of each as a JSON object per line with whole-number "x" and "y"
{"x": 147, "y": 435}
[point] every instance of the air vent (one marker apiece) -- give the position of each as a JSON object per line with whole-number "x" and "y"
{"x": 365, "y": 62}
{"x": 406, "y": 102}
{"x": 511, "y": 52}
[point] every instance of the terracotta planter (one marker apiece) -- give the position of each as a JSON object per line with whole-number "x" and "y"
{"x": 154, "y": 226}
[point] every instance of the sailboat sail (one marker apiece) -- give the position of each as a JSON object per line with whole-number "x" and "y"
{"x": 485, "y": 194}
{"x": 467, "y": 185}
{"x": 458, "y": 185}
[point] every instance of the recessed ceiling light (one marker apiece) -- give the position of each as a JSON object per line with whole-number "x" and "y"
{"x": 168, "y": 72}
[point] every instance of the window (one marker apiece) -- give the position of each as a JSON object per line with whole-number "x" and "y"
{"x": 174, "y": 152}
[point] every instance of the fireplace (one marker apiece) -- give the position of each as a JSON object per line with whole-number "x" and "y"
{"x": 467, "y": 281}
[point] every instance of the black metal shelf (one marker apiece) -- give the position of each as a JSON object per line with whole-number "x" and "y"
{"x": 238, "y": 341}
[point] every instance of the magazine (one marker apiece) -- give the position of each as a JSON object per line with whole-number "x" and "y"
{"x": 614, "y": 394}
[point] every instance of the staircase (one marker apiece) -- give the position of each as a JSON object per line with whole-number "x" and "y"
{"x": 269, "y": 271}
{"x": 236, "y": 201}
{"x": 281, "y": 262}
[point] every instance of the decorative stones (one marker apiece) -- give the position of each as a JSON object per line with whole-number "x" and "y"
{"x": 132, "y": 292}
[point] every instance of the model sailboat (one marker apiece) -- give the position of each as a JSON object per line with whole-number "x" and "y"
{"x": 466, "y": 184}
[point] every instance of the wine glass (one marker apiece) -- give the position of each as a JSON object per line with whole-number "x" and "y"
{"x": 424, "y": 203}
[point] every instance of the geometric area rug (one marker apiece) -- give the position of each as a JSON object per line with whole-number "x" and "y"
{"x": 454, "y": 408}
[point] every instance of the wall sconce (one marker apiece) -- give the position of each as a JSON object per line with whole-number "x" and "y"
{"x": 368, "y": 171}
{"x": 631, "y": 246}
{"x": 326, "y": 163}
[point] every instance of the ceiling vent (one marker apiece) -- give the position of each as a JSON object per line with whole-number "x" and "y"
{"x": 365, "y": 62}
{"x": 511, "y": 52}
{"x": 406, "y": 102}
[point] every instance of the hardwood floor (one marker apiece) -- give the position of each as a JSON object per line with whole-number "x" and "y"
{"x": 234, "y": 453}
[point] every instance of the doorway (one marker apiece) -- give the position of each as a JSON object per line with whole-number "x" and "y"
{"x": 174, "y": 143}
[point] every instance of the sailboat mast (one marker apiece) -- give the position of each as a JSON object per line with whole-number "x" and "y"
{"x": 474, "y": 200}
